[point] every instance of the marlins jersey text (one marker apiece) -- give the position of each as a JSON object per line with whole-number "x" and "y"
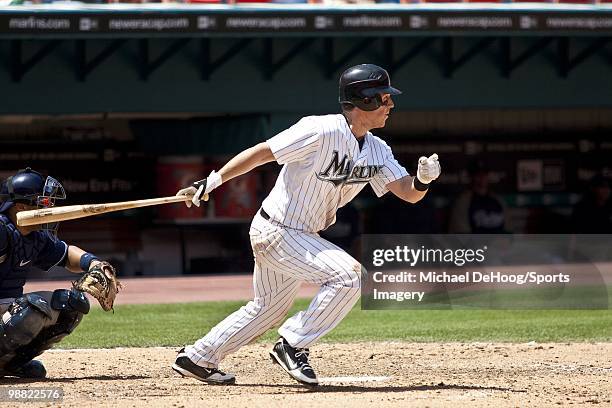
{"x": 324, "y": 169}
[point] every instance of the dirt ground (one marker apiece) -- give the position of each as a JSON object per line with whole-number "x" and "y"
{"x": 379, "y": 374}
{"x": 432, "y": 375}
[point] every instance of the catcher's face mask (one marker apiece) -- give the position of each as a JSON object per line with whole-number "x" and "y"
{"x": 52, "y": 191}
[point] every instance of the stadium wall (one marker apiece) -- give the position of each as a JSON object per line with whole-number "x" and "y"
{"x": 51, "y": 86}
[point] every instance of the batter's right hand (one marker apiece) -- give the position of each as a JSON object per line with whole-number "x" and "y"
{"x": 189, "y": 192}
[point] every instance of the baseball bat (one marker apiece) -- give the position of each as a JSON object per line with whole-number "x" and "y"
{"x": 71, "y": 212}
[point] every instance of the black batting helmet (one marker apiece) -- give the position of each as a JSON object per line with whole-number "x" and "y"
{"x": 362, "y": 85}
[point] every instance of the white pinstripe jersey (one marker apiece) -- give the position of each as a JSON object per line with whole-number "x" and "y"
{"x": 323, "y": 170}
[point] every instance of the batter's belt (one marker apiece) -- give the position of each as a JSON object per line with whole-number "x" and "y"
{"x": 267, "y": 217}
{"x": 264, "y": 214}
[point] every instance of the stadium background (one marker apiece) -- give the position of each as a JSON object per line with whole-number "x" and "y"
{"x": 138, "y": 114}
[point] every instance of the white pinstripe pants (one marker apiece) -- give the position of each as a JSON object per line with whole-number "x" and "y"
{"x": 283, "y": 259}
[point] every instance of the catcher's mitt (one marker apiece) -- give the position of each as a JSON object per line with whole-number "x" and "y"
{"x": 100, "y": 282}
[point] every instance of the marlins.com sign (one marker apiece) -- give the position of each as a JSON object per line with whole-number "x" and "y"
{"x": 37, "y": 23}
{"x": 368, "y": 21}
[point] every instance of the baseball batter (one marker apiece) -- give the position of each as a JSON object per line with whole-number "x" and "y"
{"x": 327, "y": 160}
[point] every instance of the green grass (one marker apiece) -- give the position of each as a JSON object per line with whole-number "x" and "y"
{"x": 179, "y": 324}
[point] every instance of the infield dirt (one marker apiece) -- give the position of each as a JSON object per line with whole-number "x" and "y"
{"x": 421, "y": 374}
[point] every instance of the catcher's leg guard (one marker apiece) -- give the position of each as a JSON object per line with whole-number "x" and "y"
{"x": 25, "y": 318}
{"x": 68, "y": 308}
{"x": 70, "y": 300}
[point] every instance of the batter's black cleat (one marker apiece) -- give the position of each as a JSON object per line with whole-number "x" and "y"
{"x": 294, "y": 361}
{"x": 31, "y": 369}
{"x": 185, "y": 367}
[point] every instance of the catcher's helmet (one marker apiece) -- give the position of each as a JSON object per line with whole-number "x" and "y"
{"x": 362, "y": 85}
{"x": 32, "y": 188}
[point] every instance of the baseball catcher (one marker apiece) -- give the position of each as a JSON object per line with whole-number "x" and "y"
{"x": 327, "y": 160}
{"x": 34, "y": 322}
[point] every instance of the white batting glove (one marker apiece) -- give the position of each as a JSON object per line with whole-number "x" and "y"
{"x": 204, "y": 187}
{"x": 429, "y": 169}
